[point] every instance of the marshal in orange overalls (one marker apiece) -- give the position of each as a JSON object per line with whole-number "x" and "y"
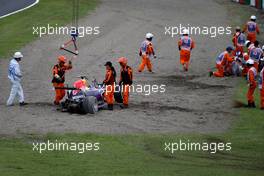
{"x": 146, "y": 51}
{"x": 239, "y": 40}
{"x": 251, "y": 77}
{"x": 256, "y": 54}
{"x": 126, "y": 78}
{"x": 252, "y": 29}
{"x": 59, "y": 78}
{"x": 110, "y": 87}
{"x": 186, "y": 44}
{"x": 223, "y": 63}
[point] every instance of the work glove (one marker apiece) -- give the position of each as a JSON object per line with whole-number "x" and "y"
{"x": 57, "y": 76}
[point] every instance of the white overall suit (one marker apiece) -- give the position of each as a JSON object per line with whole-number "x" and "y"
{"x": 15, "y": 75}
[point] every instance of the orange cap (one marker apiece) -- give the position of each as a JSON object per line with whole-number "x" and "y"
{"x": 62, "y": 59}
{"x": 122, "y": 60}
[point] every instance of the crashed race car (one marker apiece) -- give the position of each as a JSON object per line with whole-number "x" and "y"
{"x": 84, "y": 99}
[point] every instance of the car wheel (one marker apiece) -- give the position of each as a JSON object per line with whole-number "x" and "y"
{"x": 90, "y": 105}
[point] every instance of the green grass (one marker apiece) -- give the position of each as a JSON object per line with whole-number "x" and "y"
{"x": 142, "y": 155}
{"x": 16, "y": 30}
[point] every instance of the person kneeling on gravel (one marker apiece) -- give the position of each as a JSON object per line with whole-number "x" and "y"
{"x": 59, "y": 78}
{"x": 15, "y": 76}
{"x": 126, "y": 78}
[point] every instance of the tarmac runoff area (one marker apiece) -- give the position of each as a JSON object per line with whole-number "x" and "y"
{"x": 10, "y": 7}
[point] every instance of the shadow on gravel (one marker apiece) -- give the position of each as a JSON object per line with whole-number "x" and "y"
{"x": 238, "y": 104}
{"x": 187, "y": 81}
{"x": 159, "y": 107}
{"x": 41, "y": 104}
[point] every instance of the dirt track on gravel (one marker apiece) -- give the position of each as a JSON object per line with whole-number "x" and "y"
{"x": 192, "y": 101}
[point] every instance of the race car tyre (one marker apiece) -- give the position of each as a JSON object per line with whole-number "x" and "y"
{"x": 90, "y": 105}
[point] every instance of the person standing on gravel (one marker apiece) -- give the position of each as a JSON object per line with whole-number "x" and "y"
{"x": 126, "y": 78}
{"x": 186, "y": 44}
{"x": 239, "y": 40}
{"x": 146, "y": 52}
{"x": 252, "y": 29}
{"x": 15, "y": 76}
{"x": 110, "y": 79}
{"x": 59, "y": 78}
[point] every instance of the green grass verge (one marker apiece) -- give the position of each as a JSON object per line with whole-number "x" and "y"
{"x": 141, "y": 155}
{"x": 16, "y": 30}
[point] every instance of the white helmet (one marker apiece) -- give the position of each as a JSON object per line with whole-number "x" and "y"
{"x": 238, "y": 28}
{"x": 185, "y": 32}
{"x": 253, "y": 17}
{"x": 250, "y": 62}
{"x": 247, "y": 42}
{"x": 149, "y": 36}
{"x": 263, "y": 47}
{"x": 18, "y": 55}
{"x": 245, "y": 54}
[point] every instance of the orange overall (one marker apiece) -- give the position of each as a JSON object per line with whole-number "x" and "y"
{"x": 186, "y": 44}
{"x": 239, "y": 40}
{"x": 59, "y": 82}
{"x": 110, "y": 86}
{"x": 223, "y": 63}
{"x": 219, "y": 67}
{"x": 146, "y": 51}
{"x": 252, "y": 29}
{"x": 126, "y": 77}
{"x": 255, "y": 54}
{"x": 251, "y": 77}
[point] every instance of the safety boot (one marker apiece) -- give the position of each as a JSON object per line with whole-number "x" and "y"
{"x": 253, "y": 105}
{"x": 123, "y": 106}
{"x": 110, "y": 107}
{"x": 249, "y": 105}
{"x": 56, "y": 103}
{"x": 23, "y": 104}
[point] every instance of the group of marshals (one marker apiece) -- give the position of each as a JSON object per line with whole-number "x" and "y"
{"x": 146, "y": 52}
